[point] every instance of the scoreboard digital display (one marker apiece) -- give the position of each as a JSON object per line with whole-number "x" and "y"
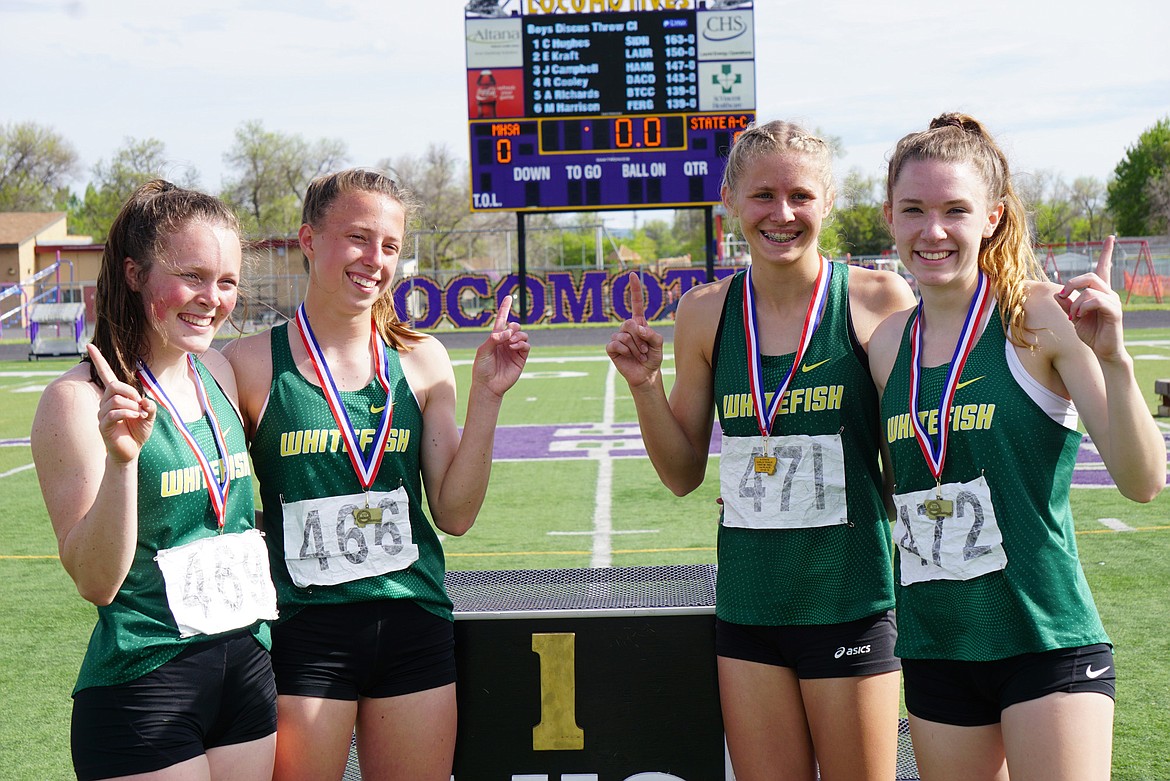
{"x": 606, "y": 110}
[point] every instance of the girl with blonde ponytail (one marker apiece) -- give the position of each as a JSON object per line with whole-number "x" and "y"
{"x": 804, "y": 631}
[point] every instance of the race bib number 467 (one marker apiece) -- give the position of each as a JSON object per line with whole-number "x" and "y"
{"x": 338, "y": 539}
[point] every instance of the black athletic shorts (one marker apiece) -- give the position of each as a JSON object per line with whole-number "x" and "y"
{"x": 847, "y": 650}
{"x": 974, "y": 694}
{"x": 383, "y": 648}
{"x": 215, "y": 693}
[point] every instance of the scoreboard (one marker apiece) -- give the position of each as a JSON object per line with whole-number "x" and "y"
{"x": 606, "y": 109}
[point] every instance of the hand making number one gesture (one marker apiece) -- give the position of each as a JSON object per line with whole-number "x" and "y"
{"x": 125, "y": 416}
{"x": 1095, "y": 308}
{"x": 501, "y": 358}
{"x": 636, "y": 349}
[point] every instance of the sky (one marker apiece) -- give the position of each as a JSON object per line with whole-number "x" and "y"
{"x": 1066, "y": 87}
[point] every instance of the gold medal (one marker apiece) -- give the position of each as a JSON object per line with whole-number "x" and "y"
{"x": 937, "y": 509}
{"x": 364, "y": 516}
{"x": 765, "y": 465}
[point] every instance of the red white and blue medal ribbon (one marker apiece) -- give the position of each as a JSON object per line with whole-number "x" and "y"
{"x": 365, "y": 467}
{"x": 934, "y": 451}
{"x": 766, "y": 413}
{"x": 217, "y": 488}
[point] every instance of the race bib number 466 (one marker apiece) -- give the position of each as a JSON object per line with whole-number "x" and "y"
{"x": 804, "y": 488}
{"x": 339, "y": 539}
{"x": 219, "y": 583}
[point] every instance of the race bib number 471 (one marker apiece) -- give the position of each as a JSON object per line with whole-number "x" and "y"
{"x": 339, "y": 539}
{"x": 804, "y": 488}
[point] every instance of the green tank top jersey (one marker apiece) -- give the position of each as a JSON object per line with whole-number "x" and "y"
{"x": 1040, "y": 601}
{"x": 136, "y": 633}
{"x": 826, "y": 574}
{"x": 298, "y": 455}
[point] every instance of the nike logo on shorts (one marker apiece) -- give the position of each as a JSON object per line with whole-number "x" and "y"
{"x": 1093, "y": 674}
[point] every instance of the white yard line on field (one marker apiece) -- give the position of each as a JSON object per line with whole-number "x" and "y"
{"x": 540, "y": 359}
{"x": 600, "y": 451}
{"x": 18, "y": 470}
{"x": 1116, "y": 524}
{"x": 602, "y": 528}
{"x": 603, "y": 496}
{"x": 614, "y": 532}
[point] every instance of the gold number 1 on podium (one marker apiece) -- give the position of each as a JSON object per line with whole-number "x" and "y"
{"x": 557, "y": 730}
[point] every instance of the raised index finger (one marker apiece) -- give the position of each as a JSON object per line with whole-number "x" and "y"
{"x": 104, "y": 372}
{"x": 637, "y": 305}
{"x": 502, "y": 314}
{"x": 1105, "y": 261}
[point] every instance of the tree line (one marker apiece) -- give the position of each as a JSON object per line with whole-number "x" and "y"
{"x": 268, "y": 171}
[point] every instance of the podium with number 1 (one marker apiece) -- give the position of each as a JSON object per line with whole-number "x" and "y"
{"x": 587, "y": 675}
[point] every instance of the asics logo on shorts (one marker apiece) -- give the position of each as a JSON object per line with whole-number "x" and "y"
{"x": 854, "y": 651}
{"x": 1093, "y": 674}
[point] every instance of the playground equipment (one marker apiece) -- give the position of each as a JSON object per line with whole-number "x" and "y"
{"x": 1143, "y": 263}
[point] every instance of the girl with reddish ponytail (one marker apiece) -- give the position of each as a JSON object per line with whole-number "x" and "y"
{"x": 1006, "y": 665}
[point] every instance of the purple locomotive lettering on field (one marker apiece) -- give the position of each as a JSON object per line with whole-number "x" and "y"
{"x": 624, "y": 440}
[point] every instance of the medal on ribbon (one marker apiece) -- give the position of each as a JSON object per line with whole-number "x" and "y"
{"x": 766, "y": 413}
{"x": 365, "y": 467}
{"x": 935, "y": 450}
{"x": 217, "y": 487}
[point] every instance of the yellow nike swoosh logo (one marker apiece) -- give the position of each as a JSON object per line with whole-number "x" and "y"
{"x": 808, "y": 367}
{"x": 376, "y": 410}
{"x": 968, "y": 382}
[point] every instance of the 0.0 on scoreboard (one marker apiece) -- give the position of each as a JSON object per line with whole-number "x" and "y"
{"x": 600, "y": 162}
